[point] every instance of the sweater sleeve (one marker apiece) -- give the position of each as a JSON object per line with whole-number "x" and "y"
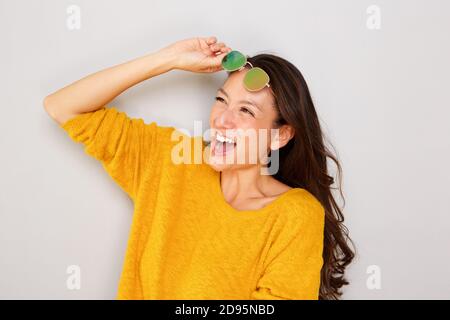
{"x": 125, "y": 146}
{"x": 295, "y": 260}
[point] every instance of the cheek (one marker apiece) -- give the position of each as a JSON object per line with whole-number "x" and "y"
{"x": 253, "y": 146}
{"x": 211, "y": 115}
{"x": 214, "y": 113}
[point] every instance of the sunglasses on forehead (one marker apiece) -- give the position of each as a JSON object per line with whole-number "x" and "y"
{"x": 255, "y": 79}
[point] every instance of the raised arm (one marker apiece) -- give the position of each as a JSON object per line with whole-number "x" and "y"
{"x": 96, "y": 90}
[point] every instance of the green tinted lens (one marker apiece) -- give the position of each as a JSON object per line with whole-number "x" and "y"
{"x": 233, "y": 60}
{"x": 255, "y": 79}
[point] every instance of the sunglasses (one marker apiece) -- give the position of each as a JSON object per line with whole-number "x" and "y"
{"x": 255, "y": 79}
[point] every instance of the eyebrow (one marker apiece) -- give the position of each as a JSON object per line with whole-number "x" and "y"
{"x": 241, "y": 101}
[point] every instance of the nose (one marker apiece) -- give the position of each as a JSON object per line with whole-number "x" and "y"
{"x": 225, "y": 120}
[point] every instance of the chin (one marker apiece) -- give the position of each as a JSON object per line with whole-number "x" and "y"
{"x": 218, "y": 166}
{"x": 221, "y": 166}
{"x": 219, "y": 162}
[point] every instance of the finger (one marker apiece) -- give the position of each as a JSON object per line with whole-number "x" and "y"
{"x": 217, "y": 46}
{"x": 218, "y": 58}
{"x": 211, "y": 40}
{"x": 223, "y": 52}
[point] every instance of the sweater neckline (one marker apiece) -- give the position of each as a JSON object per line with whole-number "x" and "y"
{"x": 256, "y": 212}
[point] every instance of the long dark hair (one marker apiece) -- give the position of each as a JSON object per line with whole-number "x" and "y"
{"x": 303, "y": 163}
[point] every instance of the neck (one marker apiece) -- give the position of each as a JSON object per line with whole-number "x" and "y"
{"x": 244, "y": 183}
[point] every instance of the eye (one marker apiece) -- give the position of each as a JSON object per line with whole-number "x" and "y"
{"x": 247, "y": 111}
{"x": 244, "y": 109}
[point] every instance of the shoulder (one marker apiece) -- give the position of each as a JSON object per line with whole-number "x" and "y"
{"x": 180, "y": 136}
{"x": 303, "y": 205}
{"x": 178, "y": 149}
{"x": 300, "y": 223}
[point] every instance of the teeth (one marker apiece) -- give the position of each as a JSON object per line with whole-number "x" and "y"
{"x": 222, "y": 138}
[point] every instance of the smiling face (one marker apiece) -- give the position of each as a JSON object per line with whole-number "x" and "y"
{"x": 241, "y": 123}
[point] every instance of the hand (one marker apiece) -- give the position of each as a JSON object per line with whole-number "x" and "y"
{"x": 197, "y": 54}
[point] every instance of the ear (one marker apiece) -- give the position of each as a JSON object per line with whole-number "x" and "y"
{"x": 281, "y": 136}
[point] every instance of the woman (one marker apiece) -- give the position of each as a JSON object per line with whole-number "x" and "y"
{"x": 217, "y": 229}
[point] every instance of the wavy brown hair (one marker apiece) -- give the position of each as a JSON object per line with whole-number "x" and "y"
{"x": 303, "y": 164}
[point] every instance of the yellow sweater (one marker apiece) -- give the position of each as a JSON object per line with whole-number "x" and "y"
{"x": 186, "y": 241}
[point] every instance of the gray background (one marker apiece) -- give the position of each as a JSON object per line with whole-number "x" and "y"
{"x": 382, "y": 96}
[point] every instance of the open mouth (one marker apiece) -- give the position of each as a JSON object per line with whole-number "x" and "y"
{"x": 222, "y": 145}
